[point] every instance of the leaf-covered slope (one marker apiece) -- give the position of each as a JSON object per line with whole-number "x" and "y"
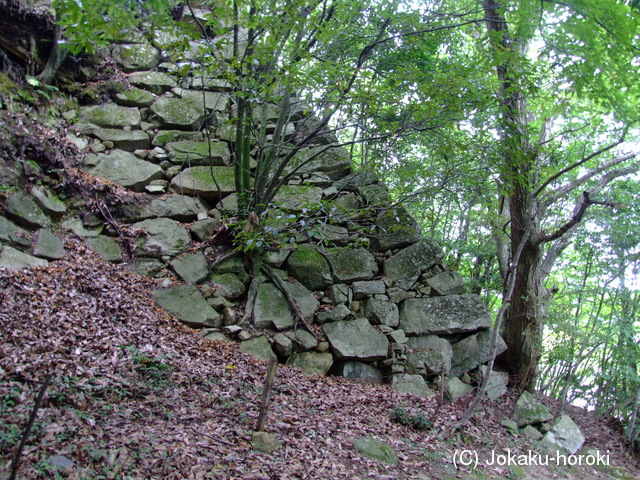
{"x": 137, "y": 395}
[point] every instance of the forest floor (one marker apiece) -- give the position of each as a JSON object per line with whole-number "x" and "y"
{"x": 136, "y": 395}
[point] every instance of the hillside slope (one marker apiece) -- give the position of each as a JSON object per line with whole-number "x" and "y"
{"x": 135, "y": 394}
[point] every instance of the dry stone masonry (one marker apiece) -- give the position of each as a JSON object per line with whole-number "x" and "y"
{"x": 383, "y": 306}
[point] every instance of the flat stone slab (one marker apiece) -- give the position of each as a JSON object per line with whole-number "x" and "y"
{"x": 443, "y": 315}
{"x": 110, "y": 115}
{"x": 182, "y": 208}
{"x": 13, "y": 259}
{"x": 23, "y": 210}
{"x": 134, "y": 97}
{"x": 13, "y": 234}
{"x": 404, "y": 268}
{"x": 178, "y": 113}
{"x": 48, "y": 245}
{"x": 356, "y": 339}
{"x": 191, "y": 267}
{"x": 124, "y": 139}
{"x": 126, "y": 170}
{"x": 108, "y": 248}
{"x": 163, "y": 237}
{"x": 311, "y": 363}
{"x": 156, "y": 82}
{"x": 187, "y": 304}
{"x": 297, "y": 198}
{"x": 199, "y": 153}
{"x": 198, "y": 181}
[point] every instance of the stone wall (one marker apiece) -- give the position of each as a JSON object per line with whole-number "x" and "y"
{"x": 382, "y": 305}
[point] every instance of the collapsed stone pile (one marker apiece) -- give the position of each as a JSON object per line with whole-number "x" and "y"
{"x": 384, "y": 306}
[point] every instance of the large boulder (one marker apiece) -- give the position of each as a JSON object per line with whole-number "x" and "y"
{"x": 178, "y": 207}
{"x": 394, "y": 228}
{"x": 126, "y": 169}
{"x": 271, "y": 309}
{"x": 310, "y": 268}
{"x": 530, "y": 411}
{"x": 356, "y": 339}
{"x": 198, "y": 181}
{"x": 331, "y": 160}
{"x": 413, "y": 384}
{"x": 187, "y": 304}
{"x": 138, "y": 56}
{"x": 163, "y": 236}
{"x": 381, "y": 312}
{"x": 199, "y": 153}
{"x": 13, "y": 259}
{"x": 311, "y": 363}
{"x": 110, "y": 115}
{"x": 428, "y": 354}
{"x": 443, "y": 315}
{"x": 447, "y": 283}
{"x": 352, "y": 264}
{"x": 404, "y": 268}
{"x": 564, "y": 435}
{"x": 23, "y": 210}
{"x": 129, "y": 140}
{"x": 472, "y": 351}
{"x": 298, "y": 198}
{"x": 13, "y": 234}
{"x": 178, "y": 113}
{"x": 191, "y": 267}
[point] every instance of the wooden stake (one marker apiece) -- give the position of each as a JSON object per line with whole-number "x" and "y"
{"x": 27, "y": 430}
{"x": 266, "y": 393}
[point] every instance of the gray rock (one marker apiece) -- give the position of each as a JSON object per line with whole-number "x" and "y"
{"x": 48, "y": 245}
{"x": 340, "y": 293}
{"x": 177, "y": 207}
{"x": 13, "y": 259}
{"x": 228, "y": 285}
{"x": 13, "y": 234}
{"x": 312, "y": 363}
{"x": 302, "y": 340}
{"x": 166, "y": 136}
{"x": 191, "y": 267}
{"x": 134, "y": 97}
{"x": 443, "y": 315}
{"x": 178, "y": 113}
{"x": 352, "y": 264}
{"x": 80, "y": 229}
{"x": 282, "y": 345}
{"x": 23, "y": 210}
{"x": 276, "y": 258}
{"x": 108, "y": 248}
{"x": 203, "y": 229}
{"x": 413, "y": 384}
{"x": 339, "y": 312}
{"x": 375, "y": 195}
{"x": 123, "y": 139}
{"x": 298, "y": 198}
{"x": 187, "y": 304}
{"x": 199, "y": 153}
{"x": 564, "y": 435}
{"x": 404, "y": 268}
{"x": 271, "y": 309}
{"x": 197, "y": 181}
{"x": 356, "y": 180}
{"x": 156, "y": 82}
{"x": 212, "y": 101}
{"x": 428, "y": 354}
{"x": 309, "y": 267}
{"x": 498, "y": 382}
{"x": 454, "y": 388}
{"x": 359, "y": 372}
{"x": 530, "y": 411}
{"x": 472, "y": 351}
{"x": 335, "y": 161}
{"x": 139, "y": 56}
{"x": 258, "y": 347}
{"x": 356, "y": 339}
{"x": 110, "y": 115}
{"x": 125, "y": 169}
{"x": 394, "y": 228}
{"x": 51, "y": 205}
{"x": 376, "y": 450}
{"x": 364, "y": 289}
{"x": 447, "y": 283}
{"x": 305, "y": 300}
{"x": 163, "y": 237}
{"x": 509, "y": 425}
{"x": 532, "y": 433}
{"x": 381, "y": 312}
